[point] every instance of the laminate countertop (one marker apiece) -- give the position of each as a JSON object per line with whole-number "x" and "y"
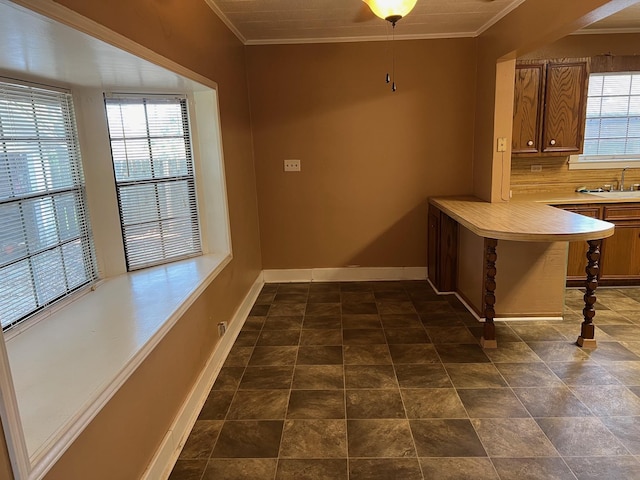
{"x": 525, "y": 221}
{"x": 578, "y": 198}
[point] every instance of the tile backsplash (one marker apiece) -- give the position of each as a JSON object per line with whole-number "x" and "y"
{"x": 555, "y": 176}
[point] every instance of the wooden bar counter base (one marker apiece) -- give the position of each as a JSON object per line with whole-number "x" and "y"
{"x": 527, "y": 222}
{"x": 587, "y": 332}
{"x": 488, "y": 339}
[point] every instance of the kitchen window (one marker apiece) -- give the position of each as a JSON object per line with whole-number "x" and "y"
{"x": 612, "y": 130}
{"x": 153, "y": 166}
{"x": 46, "y": 246}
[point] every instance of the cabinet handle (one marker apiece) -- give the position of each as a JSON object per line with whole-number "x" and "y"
{"x": 530, "y": 143}
{"x": 552, "y": 142}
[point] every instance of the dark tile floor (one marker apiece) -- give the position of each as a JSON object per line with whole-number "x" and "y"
{"x": 386, "y": 380}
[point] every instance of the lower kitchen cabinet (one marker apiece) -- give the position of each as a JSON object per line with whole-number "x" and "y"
{"x": 442, "y": 250}
{"x": 619, "y": 254}
{"x": 577, "y": 261}
{"x": 620, "y": 262}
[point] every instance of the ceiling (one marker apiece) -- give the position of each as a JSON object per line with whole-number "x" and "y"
{"x": 627, "y": 20}
{"x": 38, "y": 48}
{"x": 257, "y": 22}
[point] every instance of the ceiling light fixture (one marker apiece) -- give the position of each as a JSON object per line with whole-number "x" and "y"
{"x": 391, "y": 11}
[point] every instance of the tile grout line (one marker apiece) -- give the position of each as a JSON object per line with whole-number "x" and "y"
{"x": 601, "y": 363}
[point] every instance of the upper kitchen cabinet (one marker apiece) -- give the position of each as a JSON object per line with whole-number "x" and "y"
{"x": 549, "y": 107}
{"x": 527, "y": 105}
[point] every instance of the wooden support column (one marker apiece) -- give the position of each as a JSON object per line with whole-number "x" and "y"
{"x": 488, "y": 339}
{"x": 587, "y": 331}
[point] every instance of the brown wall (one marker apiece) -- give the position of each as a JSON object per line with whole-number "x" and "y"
{"x": 120, "y": 441}
{"x": 588, "y": 46}
{"x": 370, "y": 157}
{"x": 5, "y": 462}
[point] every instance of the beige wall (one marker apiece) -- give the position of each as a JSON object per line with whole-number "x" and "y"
{"x": 523, "y": 268}
{"x": 120, "y": 441}
{"x": 370, "y": 157}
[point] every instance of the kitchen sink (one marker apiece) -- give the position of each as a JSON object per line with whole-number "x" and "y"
{"x": 626, "y": 194}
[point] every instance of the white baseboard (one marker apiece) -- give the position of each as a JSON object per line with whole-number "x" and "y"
{"x": 347, "y": 274}
{"x": 497, "y": 319}
{"x": 169, "y": 450}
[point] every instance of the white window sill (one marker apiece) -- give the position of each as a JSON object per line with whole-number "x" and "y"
{"x": 66, "y": 368}
{"x": 576, "y": 164}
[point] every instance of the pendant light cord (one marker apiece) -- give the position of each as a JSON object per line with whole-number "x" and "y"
{"x": 387, "y": 77}
{"x": 392, "y": 78}
{"x": 393, "y": 58}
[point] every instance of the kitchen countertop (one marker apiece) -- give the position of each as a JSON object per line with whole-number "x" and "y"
{"x": 529, "y": 221}
{"x": 576, "y": 198}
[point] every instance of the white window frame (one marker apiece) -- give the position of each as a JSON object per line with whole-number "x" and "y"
{"x": 38, "y": 94}
{"x": 87, "y": 311}
{"x": 601, "y": 162}
{"x": 142, "y": 255}
{"x": 148, "y": 302}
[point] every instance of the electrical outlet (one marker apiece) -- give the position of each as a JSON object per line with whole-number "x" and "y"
{"x": 292, "y": 165}
{"x": 502, "y": 144}
{"x": 536, "y": 168}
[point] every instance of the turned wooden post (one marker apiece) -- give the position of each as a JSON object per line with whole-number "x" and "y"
{"x": 587, "y": 331}
{"x": 488, "y": 339}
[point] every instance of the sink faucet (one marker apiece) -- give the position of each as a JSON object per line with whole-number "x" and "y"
{"x": 622, "y": 179}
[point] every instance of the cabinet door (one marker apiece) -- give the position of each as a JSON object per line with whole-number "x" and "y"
{"x": 527, "y": 109}
{"x": 433, "y": 245}
{"x": 621, "y": 254}
{"x": 565, "y": 99}
{"x": 442, "y": 250}
{"x": 577, "y": 260}
{"x": 448, "y": 261}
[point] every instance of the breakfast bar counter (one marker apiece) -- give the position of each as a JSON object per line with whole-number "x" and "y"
{"x": 523, "y": 222}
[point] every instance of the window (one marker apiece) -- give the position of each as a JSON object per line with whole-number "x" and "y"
{"x": 612, "y": 130}
{"x": 46, "y": 248}
{"x": 151, "y": 150}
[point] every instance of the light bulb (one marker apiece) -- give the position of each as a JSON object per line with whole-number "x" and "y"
{"x": 391, "y": 9}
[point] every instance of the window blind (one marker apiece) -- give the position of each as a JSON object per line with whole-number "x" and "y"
{"x": 613, "y": 116}
{"x": 153, "y": 165}
{"x": 46, "y": 247}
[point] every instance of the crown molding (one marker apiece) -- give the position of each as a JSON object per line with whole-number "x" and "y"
{"x": 226, "y": 21}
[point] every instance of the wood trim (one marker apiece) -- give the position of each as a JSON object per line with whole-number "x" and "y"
{"x": 615, "y": 63}
{"x": 10, "y": 415}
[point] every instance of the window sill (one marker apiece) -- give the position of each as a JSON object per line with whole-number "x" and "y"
{"x": 576, "y": 164}
{"x": 66, "y": 368}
